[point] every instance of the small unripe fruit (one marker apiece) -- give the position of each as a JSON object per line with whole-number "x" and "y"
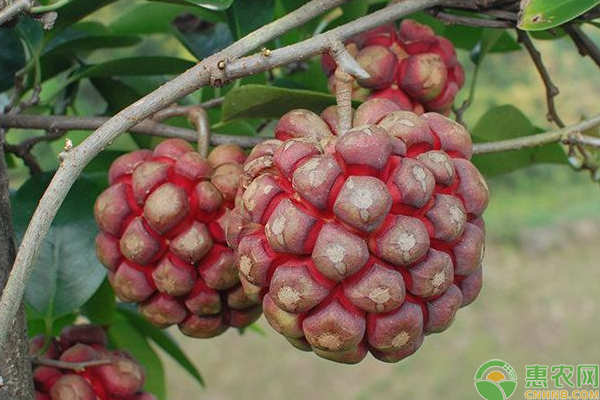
{"x": 117, "y": 376}
{"x": 364, "y": 242}
{"x": 162, "y": 235}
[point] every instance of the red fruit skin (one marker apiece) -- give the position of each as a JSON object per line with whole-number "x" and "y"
{"x": 419, "y": 71}
{"x": 162, "y": 234}
{"x": 120, "y": 378}
{"x": 365, "y": 242}
{"x": 84, "y": 334}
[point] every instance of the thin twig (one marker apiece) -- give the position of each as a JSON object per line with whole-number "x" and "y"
{"x": 566, "y": 135}
{"x": 551, "y": 90}
{"x": 73, "y": 366}
{"x": 147, "y": 127}
{"x": 214, "y": 70}
{"x": 177, "y": 110}
{"x": 199, "y": 118}
{"x": 453, "y": 19}
{"x": 584, "y": 44}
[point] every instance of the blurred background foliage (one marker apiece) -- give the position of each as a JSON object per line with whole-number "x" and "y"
{"x": 543, "y": 222}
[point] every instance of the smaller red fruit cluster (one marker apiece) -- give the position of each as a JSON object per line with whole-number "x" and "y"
{"x": 162, "y": 237}
{"x": 413, "y": 67}
{"x": 121, "y": 378}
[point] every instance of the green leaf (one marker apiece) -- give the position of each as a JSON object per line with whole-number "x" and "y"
{"x": 76, "y": 11}
{"x": 119, "y": 95}
{"x": 154, "y": 17}
{"x": 67, "y": 272}
{"x": 162, "y": 339}
{"x": 100, "y": 308}
{"x": 136, "y": 66}
{"x": 539, "y": 15}
{"x": 350, "y": 12}
{"x": 123, "y": 335}
{"x": 206, "y": 42}
{"x": 216, "y": 5}
{"x": 246, "y": 16}
{"x": 36, "y": 325}
{"x": 508, "y": 122}
{"x": 488, "y": 39}
{"x": 260, "y": 101}
{"x": 91, "y": 43}
{"x": 12, "y": 57}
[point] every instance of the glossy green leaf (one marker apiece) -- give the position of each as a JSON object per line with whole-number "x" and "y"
{"x": 216, "y": 5}
{"x": 260, "y": 101}
{"x": 76, "y": 11}
{"x": 119, "y": 95}
{"x": 206, "y": 42}
{"x": 350, "y": 12}
{"x": 12, "y": 57}
{"x": 136, "y": 66}
{"x": 508, "y": 122}
{"x": 100, "y": 308}
{"x": 89, "y": 43}
{"x": 37, "y": 325}
{"x": 67, "y": 272}
{"x": 538, "y": 15}
{"x": 123, "y": 335}
{"x": 162, "y": 339}
{"x": 154, "y": 17}
{"x": 247, "y": 16}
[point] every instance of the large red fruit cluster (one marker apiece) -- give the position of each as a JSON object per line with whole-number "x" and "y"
{"x": 120, "y": 378}
{"x": 162, "y": 237}
{"x": 366, "y": 241}
{"x": 413, "y": 67}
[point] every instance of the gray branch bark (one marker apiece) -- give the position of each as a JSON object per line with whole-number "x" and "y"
{"x": 15, "y": 368}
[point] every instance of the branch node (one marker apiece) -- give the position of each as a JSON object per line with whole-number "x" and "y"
{"x": 346, "y": 61}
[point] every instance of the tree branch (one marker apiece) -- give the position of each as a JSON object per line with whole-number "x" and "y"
{"x": 146, "y": 127}
{"x": 584, "y": 44}
{"x": 453, "y": 19}
{"x": 13, "y": 9}
{"x": 551, "y": 89}
{"x": 346, "y": 62}
{"x": 568, "y": 135}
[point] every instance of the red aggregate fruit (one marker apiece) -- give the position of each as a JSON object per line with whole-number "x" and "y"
{"x": 364, "y": 242}
{"x": 162, "y": 237}
{"x": 117, "y": 377}
{"x": 412, "y": 67}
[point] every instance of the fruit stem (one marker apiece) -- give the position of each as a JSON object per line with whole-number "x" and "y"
{"x": 199, "y": 117}
{"x": 343, "y": 96}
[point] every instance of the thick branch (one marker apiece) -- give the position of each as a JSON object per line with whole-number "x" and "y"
{"x": 13, "y": 9}
{"x": 568, "y": 135}
{"x": 551, "y": 89}
{"x": 321, "y": 43}
{"x": 208, "y": 71}
{"x": 146, "y": 127}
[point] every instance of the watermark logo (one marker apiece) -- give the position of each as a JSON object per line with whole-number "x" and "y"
{"x": 496, "y": 380}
